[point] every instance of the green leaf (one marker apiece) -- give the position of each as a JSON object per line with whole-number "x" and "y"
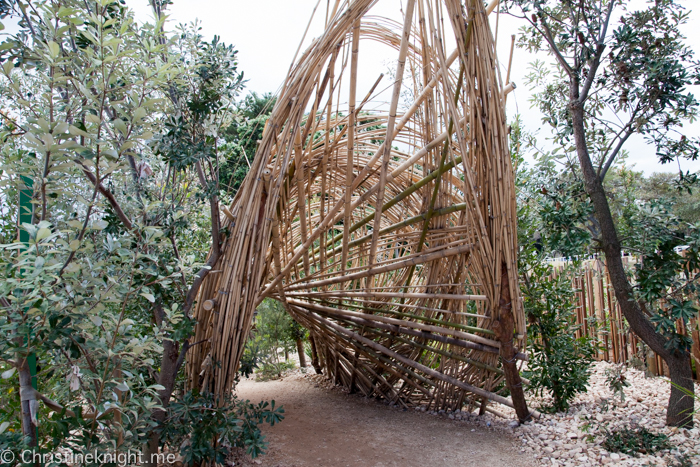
{"x": 100, "y": 224}
{"x": 42, "y": 234}
{"x": 120, "y": 126}
{"x": 110, "y": 154}
{"x": 139, "y": 114}
{"x": 75, "y": 131}
{"x": 8, "y": 66}
{"x": 149, "y": 297}
{"x": 54, "y": 49}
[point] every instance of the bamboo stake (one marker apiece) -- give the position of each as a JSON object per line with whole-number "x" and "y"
{"x": 405, "y": 37}
{"x": 351, "y": 141}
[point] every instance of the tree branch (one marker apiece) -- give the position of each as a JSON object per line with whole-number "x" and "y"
{"x": 23, "y": 9}
{"x": 600, "y": 47}
{"x": 56, "y": 407}
{"x": 109, "y": 196}
{"x": 611, "y": 158}
{"x": 547, "y": 34}
{"x": 215, "y": 244}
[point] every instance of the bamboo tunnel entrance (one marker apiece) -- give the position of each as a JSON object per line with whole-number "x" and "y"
{"x": 382, "y": 216}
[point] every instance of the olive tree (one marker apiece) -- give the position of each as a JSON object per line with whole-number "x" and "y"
{"x": 113, "y": 130}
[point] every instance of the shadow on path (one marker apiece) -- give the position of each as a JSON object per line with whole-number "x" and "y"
{"x": 326, "y": 427}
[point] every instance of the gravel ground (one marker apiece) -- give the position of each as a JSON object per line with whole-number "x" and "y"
{"x": 575, "y": 438}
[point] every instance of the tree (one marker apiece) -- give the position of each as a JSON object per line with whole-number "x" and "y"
{"x": 609, "y": 83}
{"x": 685, "y": 203}
{"x": 274, "y": 330}
{"x": 299, "y": 335}
{"x": 242, "y": 138}
{"x": 114, "y": 129}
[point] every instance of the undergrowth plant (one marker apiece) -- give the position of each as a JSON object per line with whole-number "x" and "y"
{"x": 220, "y": 426}
{"x": 635, "y": 441}
{"x": 560, "y": 361}
{"x": 617, "y": 382}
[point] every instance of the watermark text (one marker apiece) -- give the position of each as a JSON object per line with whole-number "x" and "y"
{"x": 120, "y": 458}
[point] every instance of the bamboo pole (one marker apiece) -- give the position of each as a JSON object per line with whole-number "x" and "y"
{"x": 418, "y": 366}
{"x": 351, "y": 141}
{"x": 419, "y": 206}
{"x": 405, "y": 37}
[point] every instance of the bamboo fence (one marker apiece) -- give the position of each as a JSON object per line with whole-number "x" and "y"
{"x": 391, "y": 236}
{"x": 598, "y": 316}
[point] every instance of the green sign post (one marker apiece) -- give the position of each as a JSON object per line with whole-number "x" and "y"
{"x": 26, "y": 213}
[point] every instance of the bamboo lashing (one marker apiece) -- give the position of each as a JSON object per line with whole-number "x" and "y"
{"x": 388, "y": 233}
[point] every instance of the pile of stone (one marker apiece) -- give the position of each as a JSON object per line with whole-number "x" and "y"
{"x": 576, "y": 438}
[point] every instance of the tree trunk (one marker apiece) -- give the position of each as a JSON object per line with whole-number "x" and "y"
{"x": 680, "y": 406}
{"x": 314, "y": 356}
{"x": 680, "y": 403}
{"x": 169, "y": 367}
{"x": 302, "y": 355}
{"x": 504, "y": 327}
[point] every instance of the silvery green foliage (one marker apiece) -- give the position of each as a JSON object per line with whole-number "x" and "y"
{"x": 97, "y": 116}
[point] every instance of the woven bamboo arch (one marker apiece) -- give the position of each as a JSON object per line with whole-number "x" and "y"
{"x": 390, "y": 236}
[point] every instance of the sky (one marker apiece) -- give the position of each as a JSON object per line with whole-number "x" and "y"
{"x": 267, "y": 34}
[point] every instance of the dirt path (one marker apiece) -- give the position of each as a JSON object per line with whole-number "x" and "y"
{"x": 326, "y": 427}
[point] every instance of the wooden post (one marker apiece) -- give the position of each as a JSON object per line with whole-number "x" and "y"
{"x": 694, "y": 326}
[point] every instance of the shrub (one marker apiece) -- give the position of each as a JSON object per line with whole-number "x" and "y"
{"x": 270, "y": 371}
{"x": 252, "y": 356}
{"x": 220, "y": 426}
{"x": 559, "y": 361}
{"x": 274, "y": 332}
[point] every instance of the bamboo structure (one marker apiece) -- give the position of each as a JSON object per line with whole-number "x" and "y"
{"x": 388, "y": 231}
